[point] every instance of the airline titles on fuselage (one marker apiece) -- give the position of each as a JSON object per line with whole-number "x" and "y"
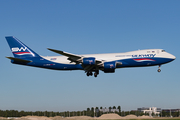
{"x": 138, "y": 56}
{"x": 144, "y": 55}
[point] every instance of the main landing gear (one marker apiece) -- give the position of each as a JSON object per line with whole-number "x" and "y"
{"x": 89, "y": 73}
{"x": 159, "y": 68}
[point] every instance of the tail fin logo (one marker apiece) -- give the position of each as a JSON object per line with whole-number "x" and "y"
{"x": 20, "y": 51}
{"x": 16, "y": 49}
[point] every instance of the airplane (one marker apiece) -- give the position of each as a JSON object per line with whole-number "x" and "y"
{"x": 90, "y": 63}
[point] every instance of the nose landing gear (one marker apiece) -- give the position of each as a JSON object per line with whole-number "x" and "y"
{"x": 159, "y": 68}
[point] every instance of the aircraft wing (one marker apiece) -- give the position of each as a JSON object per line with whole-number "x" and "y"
{"x": 72, "y": 57}
{"x": 66, "y": 53}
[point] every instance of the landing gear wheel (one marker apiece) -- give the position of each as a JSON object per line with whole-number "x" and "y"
{"x": 159, "y": 70}
{"x": 87, "y": 73}
{"x": 95, "y": 74}
{"x": 90, "y": 73}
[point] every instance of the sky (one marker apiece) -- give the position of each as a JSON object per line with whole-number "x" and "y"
{"x": 89, "y": 27}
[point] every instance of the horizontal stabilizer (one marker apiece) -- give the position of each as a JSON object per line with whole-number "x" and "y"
{"x": 19, "y": 60}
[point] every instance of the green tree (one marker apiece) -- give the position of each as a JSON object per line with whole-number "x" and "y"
{"x": 153, "y": 114}
{"x": 110, "y": 109}
{"x": 92, "y": 112}
{"x": 122, "y": 113}
{"x": 100, "y": 112}
{"x": 88, "y": 112}
{"x": 119, "y": 107}
{"x": 97, "y": 112}
{"x": 133, "y": 112}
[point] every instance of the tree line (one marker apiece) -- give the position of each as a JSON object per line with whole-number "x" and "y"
{"x": 89, "y": 112}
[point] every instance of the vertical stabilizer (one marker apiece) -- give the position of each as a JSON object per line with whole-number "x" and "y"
{"x": 19, "y": 49}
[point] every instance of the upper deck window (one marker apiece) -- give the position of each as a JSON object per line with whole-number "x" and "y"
{"x": 163, "y": 50}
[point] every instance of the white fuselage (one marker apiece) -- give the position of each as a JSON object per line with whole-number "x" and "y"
{"x": 156, "y": 53}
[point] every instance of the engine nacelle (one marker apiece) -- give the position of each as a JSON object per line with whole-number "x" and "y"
{"x": 89, "y": 61}
{"x": 109, "y": 67}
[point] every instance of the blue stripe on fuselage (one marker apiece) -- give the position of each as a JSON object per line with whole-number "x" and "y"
{"x": 133, "y": 63}
{"x": 43, "y": 63}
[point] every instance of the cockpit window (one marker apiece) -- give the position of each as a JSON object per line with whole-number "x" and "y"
{"x": 163, "y": 50}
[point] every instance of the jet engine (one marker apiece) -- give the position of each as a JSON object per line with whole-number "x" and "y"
{"x": 109, "y": 67}
{"x": 89, "y": 61}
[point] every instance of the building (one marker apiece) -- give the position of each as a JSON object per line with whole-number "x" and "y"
{"x": 150, "y": 110}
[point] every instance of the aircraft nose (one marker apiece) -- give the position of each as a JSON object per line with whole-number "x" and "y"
{"x": 173, "y": 57}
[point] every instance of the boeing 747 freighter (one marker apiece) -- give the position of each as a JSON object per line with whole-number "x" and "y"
{"x": 90, "y": 63}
